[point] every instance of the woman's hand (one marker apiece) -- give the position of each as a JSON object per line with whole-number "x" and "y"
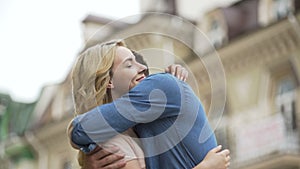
{"x": 177, "y": 70}
{"x": 215, "y": 159}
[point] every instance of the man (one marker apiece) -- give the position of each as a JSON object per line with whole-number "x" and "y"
{"x": 152, "y": 106}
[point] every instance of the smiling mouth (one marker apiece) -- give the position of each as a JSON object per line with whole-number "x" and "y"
{"x": 140, "y": 79}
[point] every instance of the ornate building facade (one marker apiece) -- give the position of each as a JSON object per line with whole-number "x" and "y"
{"x": 252, "y": 98}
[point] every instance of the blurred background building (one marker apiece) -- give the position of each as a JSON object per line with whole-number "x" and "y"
{"x": 258, "y": 42}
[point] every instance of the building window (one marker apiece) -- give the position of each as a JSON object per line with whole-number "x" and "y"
{"x": 216, "y": 34}
{"x": 282, "y": 8}
{"x": 67, "y": 165}
{"x": 241, "y": 17}
{"x": 296, "y": 5}
{"x": 285, "y": 101}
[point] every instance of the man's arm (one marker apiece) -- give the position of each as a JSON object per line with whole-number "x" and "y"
{"x": 158, "y": 96}
{"x": 216, "y": 158}
{"x": 101, "y": 159}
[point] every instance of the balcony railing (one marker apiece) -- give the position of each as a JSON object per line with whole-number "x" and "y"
{"x": 258, "y": 141}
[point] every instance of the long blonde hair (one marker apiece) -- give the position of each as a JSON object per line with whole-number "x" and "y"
{"x": 90, "y": 78}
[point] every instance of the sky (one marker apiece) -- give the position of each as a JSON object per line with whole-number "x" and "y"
{"x": 39, "y": 39}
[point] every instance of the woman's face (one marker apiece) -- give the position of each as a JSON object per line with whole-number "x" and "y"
{"x": 127, "y": 72}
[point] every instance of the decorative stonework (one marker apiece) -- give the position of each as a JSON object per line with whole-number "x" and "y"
{"x": 260, "y": 48}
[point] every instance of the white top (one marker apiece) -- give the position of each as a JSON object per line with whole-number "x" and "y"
{"x": 129, "y": 144}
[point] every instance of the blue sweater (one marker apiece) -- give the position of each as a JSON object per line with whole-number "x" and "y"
{"x": 166, "y": 115}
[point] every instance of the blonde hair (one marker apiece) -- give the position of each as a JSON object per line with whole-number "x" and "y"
{"x": 90, "y": 78}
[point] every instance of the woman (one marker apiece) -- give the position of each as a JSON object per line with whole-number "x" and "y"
{"x": 117, "y": 72}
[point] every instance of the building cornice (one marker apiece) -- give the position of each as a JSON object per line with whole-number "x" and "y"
{"x": 276, "y": 41}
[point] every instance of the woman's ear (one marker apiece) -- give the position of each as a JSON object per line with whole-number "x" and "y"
{"x": 110, "y": 85}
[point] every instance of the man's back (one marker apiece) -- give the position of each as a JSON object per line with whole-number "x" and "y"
{"x": 166, "y": 115}
{"x": 174, "y": 141}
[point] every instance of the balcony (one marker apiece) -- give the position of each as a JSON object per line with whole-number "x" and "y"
{"x": 272, "y": 142}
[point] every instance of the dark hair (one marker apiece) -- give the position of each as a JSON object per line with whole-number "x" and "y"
{"x": 139, "y": 58}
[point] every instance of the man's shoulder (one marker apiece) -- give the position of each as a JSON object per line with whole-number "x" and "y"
{"x": 164, "y": 81}
{"x": 162, "y": 76}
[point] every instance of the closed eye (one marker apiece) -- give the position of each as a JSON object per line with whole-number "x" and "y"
{"x": 128, "y": 62}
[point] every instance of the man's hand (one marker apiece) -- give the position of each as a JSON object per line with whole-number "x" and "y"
{"x": 104, "y": 159}
{"x": 177, "y": 70}
{"x": 215, "y": 159}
